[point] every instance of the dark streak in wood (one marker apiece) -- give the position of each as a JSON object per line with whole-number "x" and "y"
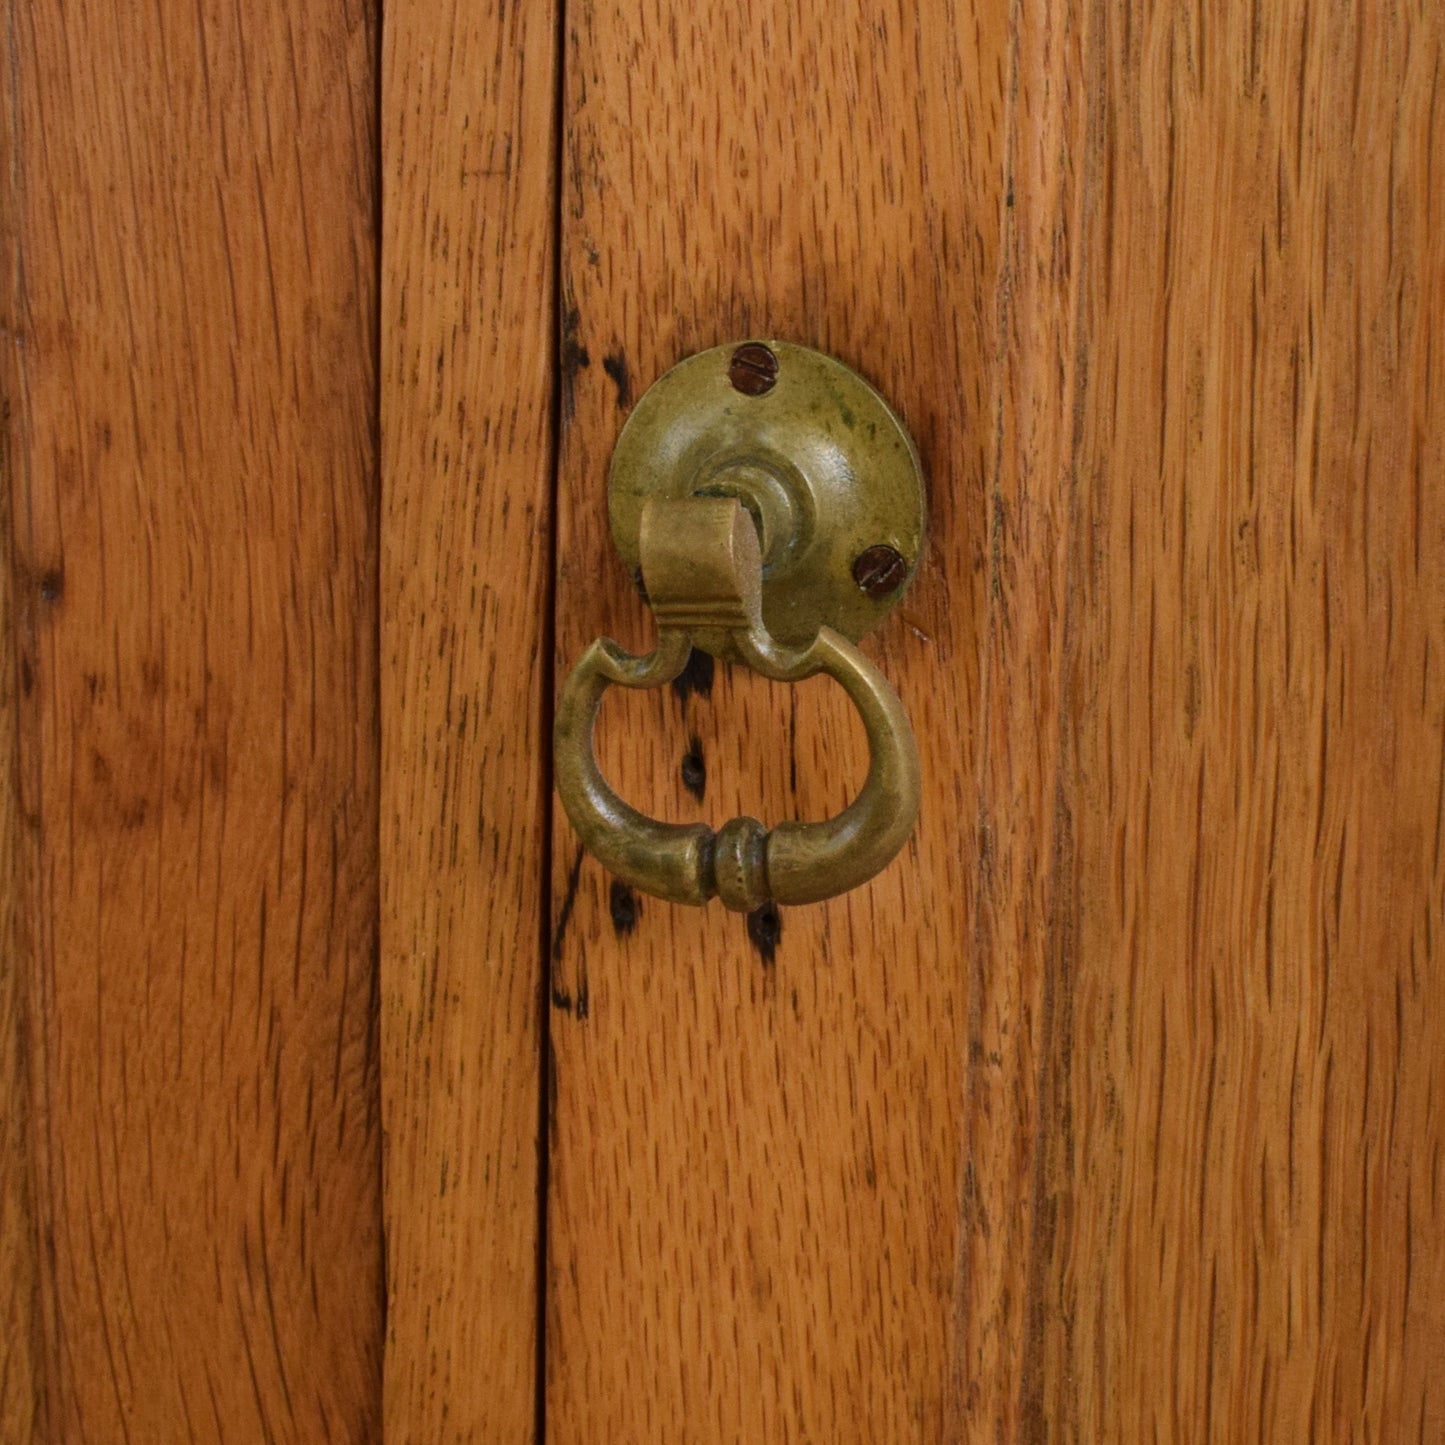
{"x": 615, "y": 365}
{"x": 569, "y": 901}
{"x": 572, "y": 358}
{"x": 765, "y": 931}
{"x": 696, "y": 679}
{"x": 694, "y": 768}
{"x": 623, "y": 906}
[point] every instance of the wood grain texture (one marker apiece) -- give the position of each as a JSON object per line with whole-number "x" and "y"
{"x": 189, "y": 373}
{"x": 20, "y": 1379}
{"x": 756, "y": 1157}
{"x": 1017, "y": 951}
{"x": 1247, "y": 1063}
{"x": 468, "y": 361}
{"x": 1111, "y": 1111}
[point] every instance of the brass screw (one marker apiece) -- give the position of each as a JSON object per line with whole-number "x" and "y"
{"x": 880, "y": 571}
{"x": 753, "y": 369}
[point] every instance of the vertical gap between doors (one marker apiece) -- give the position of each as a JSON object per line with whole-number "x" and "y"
{"x": 378, "y": 515}
{"x": 549, "y": 667}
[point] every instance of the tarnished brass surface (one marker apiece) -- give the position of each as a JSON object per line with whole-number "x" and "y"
{"x": 826, "y": 470}
{"x": 770, "y": 506}
{"x": 701, "y": 565}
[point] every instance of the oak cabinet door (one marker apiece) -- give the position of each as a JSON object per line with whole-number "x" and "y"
{"x": 190, "y": 1141}
{"x": 1109, "y": 1111}
{"x": 344, "y": 1096}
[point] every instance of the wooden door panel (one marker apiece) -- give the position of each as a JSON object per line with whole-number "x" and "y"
{"x": 1242, "y": 1097}
{"x": 1109, "y": 1111}
{"x": 468, "y": 356}
{"x": 756, "y": 1158}
{"x": 20, "y": 1375}
{"x": 189, "y": 344}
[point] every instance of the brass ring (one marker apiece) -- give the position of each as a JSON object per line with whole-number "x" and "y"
{"x": 743, "y": 863}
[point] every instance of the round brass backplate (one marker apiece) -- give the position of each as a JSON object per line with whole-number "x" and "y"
{"x": 827, "y": 471}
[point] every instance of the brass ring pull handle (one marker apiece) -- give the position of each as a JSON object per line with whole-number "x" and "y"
{"x": 771, "y": 506}
{"x": 743, "y": 863}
